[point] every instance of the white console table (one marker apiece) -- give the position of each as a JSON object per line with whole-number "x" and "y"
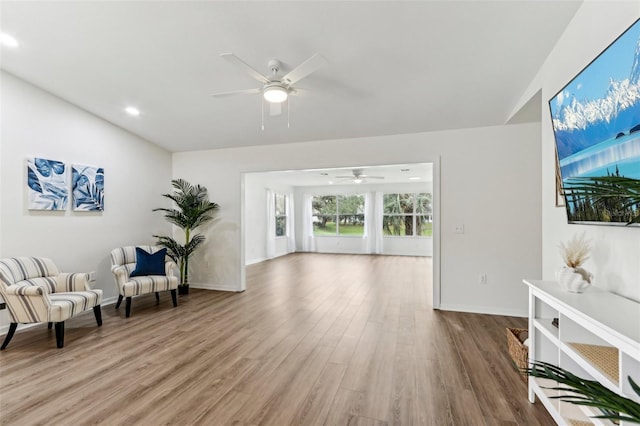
{"x": 598, "y": 338}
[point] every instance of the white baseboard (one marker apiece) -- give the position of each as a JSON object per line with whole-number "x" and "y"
{"x": 252, "y": 262}
{"x": 485, "y": 310}
{"x": 218, "y": 287}
{"x": 109, "y": 301}
{"x": 5, "y": 328}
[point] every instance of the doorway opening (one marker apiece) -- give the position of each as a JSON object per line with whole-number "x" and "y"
{"x": 381, "y": 210}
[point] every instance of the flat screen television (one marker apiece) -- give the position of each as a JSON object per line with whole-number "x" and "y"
{"x": 596, "y": 123}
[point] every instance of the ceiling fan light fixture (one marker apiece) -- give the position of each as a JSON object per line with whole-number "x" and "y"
{"x": 357, "y": 180}
{"x": 275, "y": 94}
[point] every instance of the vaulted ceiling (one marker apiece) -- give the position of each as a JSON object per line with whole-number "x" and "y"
{"x": 392, "y": 67}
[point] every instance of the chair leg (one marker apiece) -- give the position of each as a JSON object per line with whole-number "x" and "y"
{"x": 157, "y": 297}
{"x": 119, "y": 301}
{"x": 7, "y": 339}
{"x": 98, "y": 313}
{"x": 49, "y": 325}
{"x": 60, "y": 334}
{"x": 128, "y": 307}
{"x": 174, "y": 298}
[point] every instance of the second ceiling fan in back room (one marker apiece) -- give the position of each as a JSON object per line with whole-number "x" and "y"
{"x": 358, "y": 176}
{"x": 275, "y": 89}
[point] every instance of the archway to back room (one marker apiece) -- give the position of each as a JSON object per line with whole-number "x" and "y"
{"x": 390, "y": 210}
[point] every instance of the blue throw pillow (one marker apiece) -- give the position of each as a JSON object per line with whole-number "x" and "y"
{"x": 149, "y": 264}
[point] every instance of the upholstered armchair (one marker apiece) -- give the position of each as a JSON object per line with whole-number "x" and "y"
{"x": 142, "y": 270}
{"x": 35, "y": 290}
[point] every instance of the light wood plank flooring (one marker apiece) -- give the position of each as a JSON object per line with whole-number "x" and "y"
{"x": 315, "y": 340}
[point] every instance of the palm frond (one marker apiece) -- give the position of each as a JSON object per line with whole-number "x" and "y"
{"x": 607, "y": 187}
{"x": 196, "y": 240}
{"x": 174, "y": 249}
{"x": 182, "y": 186}
{"x": 201, "y": 213}
{"x": 178, "y": 218}
{"x": 589, "y": 392}
{"x": 602, "y": 190}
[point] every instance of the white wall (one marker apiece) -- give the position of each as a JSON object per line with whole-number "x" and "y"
{"x": 490, "y": 182}
{"x": 35, "y": 123}
{"x": 407, "y": 246}
{"x": 255, "y": 219}
{"x": 615, "y": 259}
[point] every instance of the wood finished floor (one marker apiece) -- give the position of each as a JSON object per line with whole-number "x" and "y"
{"x": 315, "y": 340}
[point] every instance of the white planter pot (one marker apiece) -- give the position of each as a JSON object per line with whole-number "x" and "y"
{"x": 574, "y": 280}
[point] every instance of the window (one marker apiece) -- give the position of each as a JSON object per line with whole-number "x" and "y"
{"x": 407, "y": 215}
{"x": 338, "y": 215}
{"x": 281, "y": 214}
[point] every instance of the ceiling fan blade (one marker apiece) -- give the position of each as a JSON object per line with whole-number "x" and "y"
{"x": 345, "y": 177}
{"x": 296, "y": 91}
{"x": 230, "y": 57}
{"x": 237, "y": 92}
{"x": 304, "y": 69}
{"x": 275, "y": 108}
{"x": 372, "y": 177}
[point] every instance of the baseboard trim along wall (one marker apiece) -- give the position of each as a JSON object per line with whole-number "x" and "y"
{"x": 219, "y": 287}
{"x": 484, "y": 310}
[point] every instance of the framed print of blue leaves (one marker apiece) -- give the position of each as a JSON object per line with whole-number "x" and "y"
{"x": 46, "y": 184}
{"x": 87, "y": 188}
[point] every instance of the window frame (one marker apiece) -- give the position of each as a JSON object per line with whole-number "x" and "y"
{"x": 277, "y": 216}
{"x": 336, "y": 216}
{"x": 414, "y": 215}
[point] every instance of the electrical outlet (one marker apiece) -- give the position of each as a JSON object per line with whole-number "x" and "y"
{"x": 483, "y": 278}
{"x": 92, "y": 276}
{"x": 459, "y": 229}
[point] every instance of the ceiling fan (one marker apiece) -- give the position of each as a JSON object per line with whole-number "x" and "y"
{"x": 275, "y": 89}
{"x": 358, "y": 176}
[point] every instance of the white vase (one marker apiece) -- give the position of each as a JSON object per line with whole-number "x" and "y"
{"x": 574, "y": 280}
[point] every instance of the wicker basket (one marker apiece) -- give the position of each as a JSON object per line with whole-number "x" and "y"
{"x": 519, "y": 352}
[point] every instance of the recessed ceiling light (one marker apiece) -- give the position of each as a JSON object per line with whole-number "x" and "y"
{"x": 404, "y": 170}
{"x": 7, "y": 40}
{"x": 324, "y": 174}
{"x": 132, "y": 111}
{"x": 415, "y": 178}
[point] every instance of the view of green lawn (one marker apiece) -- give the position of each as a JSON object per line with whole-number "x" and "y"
{"x": 330, "y": 229}
{"x": 427, "y": 229}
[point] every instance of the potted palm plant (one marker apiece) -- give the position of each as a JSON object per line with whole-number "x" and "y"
{"x": 192, "y": 208}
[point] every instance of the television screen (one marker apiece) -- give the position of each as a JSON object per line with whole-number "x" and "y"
{"x": 596, "y": 122}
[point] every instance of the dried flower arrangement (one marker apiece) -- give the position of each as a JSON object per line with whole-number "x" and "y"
{"x": 576, "y": 251}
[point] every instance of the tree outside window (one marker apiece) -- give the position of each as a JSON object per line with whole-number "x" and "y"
{"x": 338, "y": 215}
{"x": 407, "y": 215}
{"x": 281, "y": 214}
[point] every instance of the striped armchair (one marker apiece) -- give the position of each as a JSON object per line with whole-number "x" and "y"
{"x": 123, "y": 263}
{"x": 36, "y": 291}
